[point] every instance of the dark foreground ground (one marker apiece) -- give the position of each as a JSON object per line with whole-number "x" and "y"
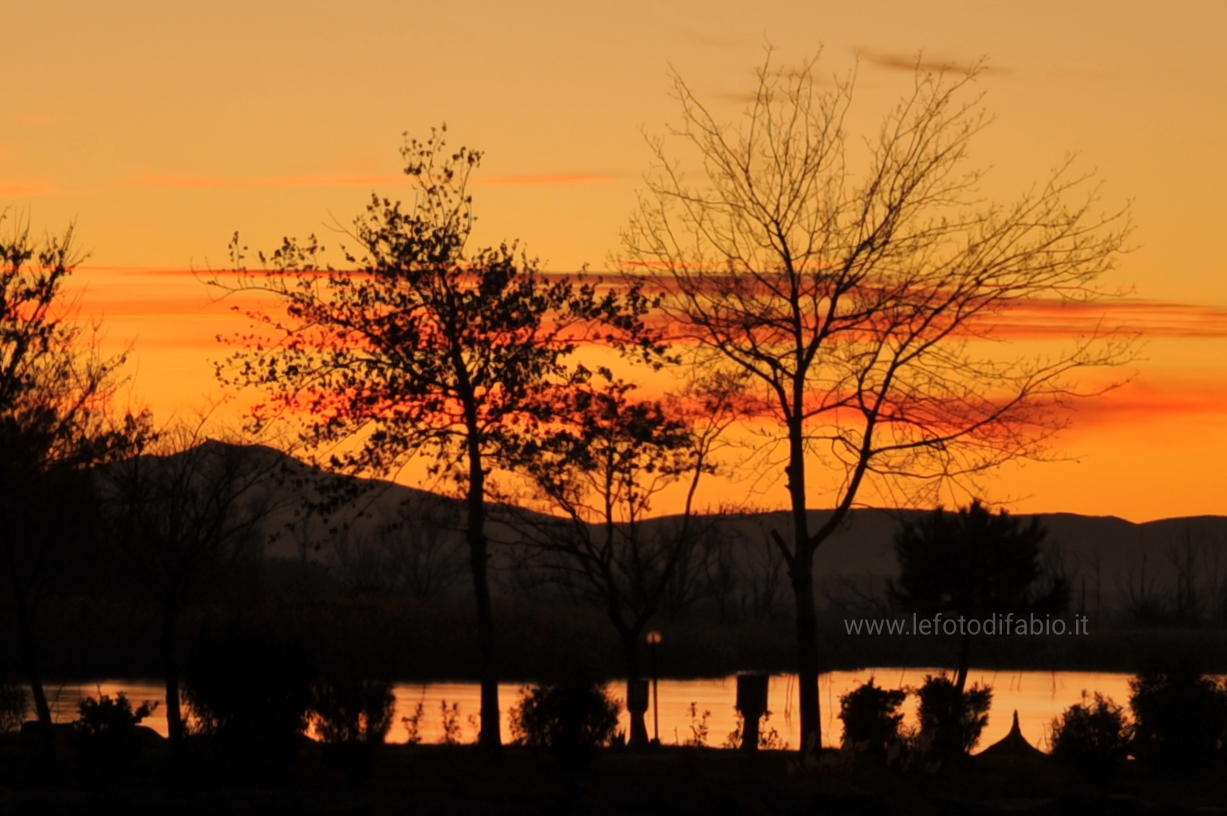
{"x": 459, "y": 780}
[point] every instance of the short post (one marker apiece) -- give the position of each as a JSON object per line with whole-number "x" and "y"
{"x": 654, "y": 640}
{"x": 637, "y": 705}
{"x": 752, "y": 703}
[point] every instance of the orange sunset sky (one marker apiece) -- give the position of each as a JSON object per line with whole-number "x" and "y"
{"x": 161, "y": 128}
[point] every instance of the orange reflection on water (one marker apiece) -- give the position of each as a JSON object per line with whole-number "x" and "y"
{"x": 1037, "y": 696}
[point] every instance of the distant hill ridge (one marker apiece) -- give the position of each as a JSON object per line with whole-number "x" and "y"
{"x": 1103, "y": 555}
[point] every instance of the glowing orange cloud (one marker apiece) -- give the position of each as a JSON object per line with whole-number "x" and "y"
{"x": 1139, "y": 401}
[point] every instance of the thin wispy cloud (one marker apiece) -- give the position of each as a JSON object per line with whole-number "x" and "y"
{"x": 1042, "y": 319}
{"x": 222, "y": 182}
{"x": 25, "y": 190}
{"x": 924, "y": 62}
{"x": 1155, "y": 396}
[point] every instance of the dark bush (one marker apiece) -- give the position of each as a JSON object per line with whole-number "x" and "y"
{"x": 1180, "y": 717}
{"x": 948, "y": 725}
{"x": 569, "y": 719}
{"x": 352, "y": 711}
{"x": 250, "y": 691}
{"x": 1093, "y": 736}
{"x": 108, "y": 740}
{"x": 13, "y": 706}
{"x": 872, "y": 718}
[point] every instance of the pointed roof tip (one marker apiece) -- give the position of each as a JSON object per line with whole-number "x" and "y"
{"x": 1013, "y": 744}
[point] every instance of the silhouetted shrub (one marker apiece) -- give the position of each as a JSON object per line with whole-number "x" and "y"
{"x": 250, "y": 691}
{"x": 347, "y": 711}
{"x": 948, "y": 725}
{"x": 450, "y": 723}
{"x": 13, "y": 706}
{"x": 1093, "y": 736}
{"x": 570, "y": 719}
{"x": 699, "y": 729}
{"x": 872, "y": 718}
{"x": 351, "y": 717}
{"x": 1180, "y": 717}
{"x": 108, "y": 740}
{"x": 413, "y": 725}
{"x": 769, "y": 738}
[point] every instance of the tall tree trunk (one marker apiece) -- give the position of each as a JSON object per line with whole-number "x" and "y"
{"x": 801, "y": 573}
{"x": 170, "y": 672}
{"x": 639, "y": 726}
{"x": 491, "y": 736}
{"x": 31, "y": 663}
{"x": 807, "y": 655}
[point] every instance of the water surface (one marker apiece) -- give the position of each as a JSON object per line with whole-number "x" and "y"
{"x": 1037, "y": 696}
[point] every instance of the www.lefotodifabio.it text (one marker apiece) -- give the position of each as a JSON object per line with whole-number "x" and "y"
{"x": 939, "y": 624}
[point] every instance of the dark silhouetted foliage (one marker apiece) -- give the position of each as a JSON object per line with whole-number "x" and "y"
{"x": 1093, "y": 736}
{"x": 344, "y": 711}
{"x": 951, "y": 723}
{"x": 14, "y": 702}
{"x": 351, "y": 717}
{"x": 184, "y": 519}
{"x": 422, "y": 344}
{"x": 972, "y": 564}
{"x": 871, "y": 716}
{"x": 56, "y": 422}
{"x": 108, "y": 740}
{"x": 769, "y": 738}
{"x": 596, "y": 468}
{"x": 1180, "y": 717}
{"x": 570, "y": 719}
{"x": 250, "y": 691}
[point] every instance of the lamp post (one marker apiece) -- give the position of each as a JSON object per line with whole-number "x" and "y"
{"x": 654, "y": 640}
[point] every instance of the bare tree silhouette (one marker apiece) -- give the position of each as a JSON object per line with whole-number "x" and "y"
{"x": 417, "y": 552}
{"x": 600, "y": 464}
{"x": 850, "y": 293}
{"x": 183, "y": 518}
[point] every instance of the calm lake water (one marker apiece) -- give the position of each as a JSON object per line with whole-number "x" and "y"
{"x": 1037, "y": 696}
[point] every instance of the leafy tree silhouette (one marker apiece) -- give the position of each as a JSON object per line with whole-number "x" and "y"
{"x": 423, "y": 347}
{"x": 972, "y": 564}
{"x": 56, "y": 423}
{"x": 597, "y": 466}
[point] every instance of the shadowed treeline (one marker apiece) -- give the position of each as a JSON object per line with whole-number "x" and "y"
{"x": 388, "y": 593}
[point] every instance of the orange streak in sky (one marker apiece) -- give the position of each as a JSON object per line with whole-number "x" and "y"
{"x": 23, "y": 190}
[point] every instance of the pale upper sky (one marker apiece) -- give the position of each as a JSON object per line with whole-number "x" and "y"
{"x": 160, "y": 128}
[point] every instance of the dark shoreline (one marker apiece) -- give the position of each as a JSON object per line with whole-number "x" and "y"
{"x": 434, "y": 642}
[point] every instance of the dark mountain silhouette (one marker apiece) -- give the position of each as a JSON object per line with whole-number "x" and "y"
{"x": 1110, "y": 562}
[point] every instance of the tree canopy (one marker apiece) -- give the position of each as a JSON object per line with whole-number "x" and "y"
{"x": 857, "y": 291}
{"x": 422, "y": 345}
